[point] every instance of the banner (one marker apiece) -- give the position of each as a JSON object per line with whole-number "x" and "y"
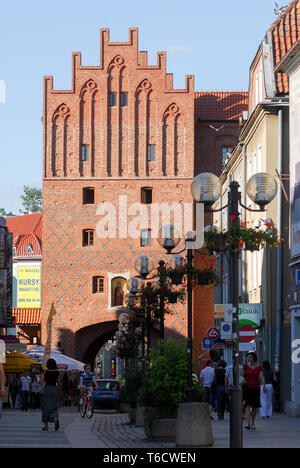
{"x": 3, "y": 297}
{"x": 29, "y": 286}
{"x": 249, "y": 314}
{"x": 47, "y": 350}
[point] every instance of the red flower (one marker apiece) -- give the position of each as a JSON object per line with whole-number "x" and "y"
{"x": 241, "y": 243}
{"x": 232, "y": 217}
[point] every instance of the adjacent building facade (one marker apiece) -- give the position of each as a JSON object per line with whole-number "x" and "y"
{"x": 27, "y": 276}
{"x": 287, "y": 64}
{"x": 269, "y": 142}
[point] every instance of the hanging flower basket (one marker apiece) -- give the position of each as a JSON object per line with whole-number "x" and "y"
{"x": 215, "y": 241}
{"x": 207, "y": 277}
{"x": 173, "y": 298}
{"x": 176, "y": 277}
{"x": 252, "y": 244}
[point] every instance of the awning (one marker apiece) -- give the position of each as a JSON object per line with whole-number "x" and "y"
{"x": 26, "y": 316}
{"x": 64, "y": 363}
{"x": 17, "y": 362}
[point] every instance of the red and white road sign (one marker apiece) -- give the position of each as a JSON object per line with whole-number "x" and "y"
{"x": 213, "y": 333}
{"x": 247, "y": 333}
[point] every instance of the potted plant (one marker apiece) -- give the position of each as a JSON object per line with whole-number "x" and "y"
{"x": 240, "y": 235}
{"x": 163, "y": 390}
{"x": 207, "y": 276}
{"x": 129, "y": 392}
{"x": 215, "y": 240}
{"x": 176, "y": 274}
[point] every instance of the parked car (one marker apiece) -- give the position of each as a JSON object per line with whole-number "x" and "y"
{"x": 107, "y": 393}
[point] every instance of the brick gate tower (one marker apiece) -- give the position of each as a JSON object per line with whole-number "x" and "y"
{"x": 121, "y": 130}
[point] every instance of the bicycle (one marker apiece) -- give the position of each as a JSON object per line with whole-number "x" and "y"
{"x": 86, "y": 405}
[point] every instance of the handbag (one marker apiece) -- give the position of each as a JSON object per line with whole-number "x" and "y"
{"x": 41, "y": 389}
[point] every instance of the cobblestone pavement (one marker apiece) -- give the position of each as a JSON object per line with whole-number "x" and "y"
{"x": 115, "y": 430}
{"x": 279, "y": 431}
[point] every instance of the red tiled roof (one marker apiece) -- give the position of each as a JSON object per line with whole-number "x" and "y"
{"x": 25, "y": 224}
{"x": 285, "y": 33}
{"x": 216, "y": 105}
{"x": 26, "y": 229}
{"x": 27, "y": 316}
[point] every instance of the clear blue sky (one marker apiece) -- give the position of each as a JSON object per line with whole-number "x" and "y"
{"x": 214, "y": 40}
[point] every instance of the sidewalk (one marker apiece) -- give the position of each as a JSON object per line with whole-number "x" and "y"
{"x": 109, "y": 430}
{"x": 279, "y": 431}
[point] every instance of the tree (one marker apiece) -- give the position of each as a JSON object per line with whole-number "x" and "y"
{"x": 32, "y": 199}
{"x": 3, "y": 212}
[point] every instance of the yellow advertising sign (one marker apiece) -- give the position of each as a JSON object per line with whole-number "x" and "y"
{"x": 29, "y": 286}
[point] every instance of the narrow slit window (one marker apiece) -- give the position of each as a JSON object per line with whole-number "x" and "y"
{"x": 151, "y": 152}
{"x": 84, "y": 153}
{"x": 145, "y": 237}
{"x": 98, "y": 284}
{"x": 123, "y": 99}
{"x": 146, "y": 195}
{"x": 88, "y": 196}
{"x": 112, "y": 99}
{"x": 87, "y": 237}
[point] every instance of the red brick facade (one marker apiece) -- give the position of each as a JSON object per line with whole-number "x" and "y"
{"x": 118, "y": 111}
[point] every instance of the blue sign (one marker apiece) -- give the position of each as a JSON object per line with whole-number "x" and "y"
{"x": 219, "y": 344}
{"x": 207, "y": 343}
{"x": 297, "y": 277}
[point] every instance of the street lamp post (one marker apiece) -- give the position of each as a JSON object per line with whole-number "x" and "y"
{"x": 162, "y": 280}
{"x": 168, "y": 240}
{"x": 261, "y": 189}
{"x": 144, "y": 266}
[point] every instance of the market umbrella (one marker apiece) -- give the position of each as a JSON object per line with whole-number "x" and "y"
{"x": 64, "y": 363}
{"x": 17, "y": 362}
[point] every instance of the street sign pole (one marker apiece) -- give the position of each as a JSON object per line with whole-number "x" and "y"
{"x": 236, "y": 422}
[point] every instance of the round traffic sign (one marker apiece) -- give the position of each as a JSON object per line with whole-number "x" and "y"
{"x": 247, "y": 333}
{"x": 213, "y": 333}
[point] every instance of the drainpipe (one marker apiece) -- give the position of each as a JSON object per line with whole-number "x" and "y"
{"x": 243, "y": 191}
{"x": 279, "y": 249}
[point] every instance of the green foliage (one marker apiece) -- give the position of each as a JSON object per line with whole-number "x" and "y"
{"x": 129, "y": 391}
{"x": 3, "y": 212}
{"x": 32, "y": 199}
{"x": 166, "y": 379}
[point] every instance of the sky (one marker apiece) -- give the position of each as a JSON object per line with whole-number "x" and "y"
{"x": 214, "y": 40}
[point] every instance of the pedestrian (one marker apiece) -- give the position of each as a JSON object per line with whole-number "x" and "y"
{"x": 253, "y": 374}
{"x": 266, "y": 398}
{"x": 207, "y": 376}
{"x": 16, "y": 391}
{"x": 2, "y": 386}
{"x": 229, "y": 382}
{"x": 34, "y": 393}
{"x": 219, "y": 382}
{"x": 25, "y": 390}
{"x": 50, "y": 397}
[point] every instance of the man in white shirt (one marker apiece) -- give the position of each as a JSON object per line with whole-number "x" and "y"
{"x": 207, "y": 376}
{"x": 25, "y": 389}
{"x": 2, "y": 374}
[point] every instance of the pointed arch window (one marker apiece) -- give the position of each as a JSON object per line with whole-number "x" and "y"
{"x": 29, "y": 249}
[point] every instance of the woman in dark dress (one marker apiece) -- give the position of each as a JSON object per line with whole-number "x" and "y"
{"x": 51, "y": 396}
{"x": 220, "y": 388}
{"x": 252, "y": 372}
